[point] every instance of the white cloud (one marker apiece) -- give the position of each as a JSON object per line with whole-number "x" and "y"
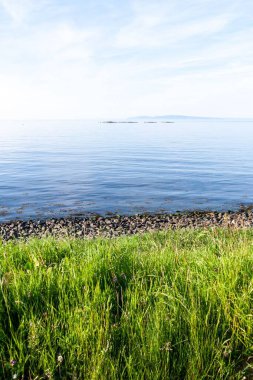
{"x": 147, "y": 36}
{"x": 161, "y": 59}
{"x": 58, "y": 43}
{"x": 18, "y": 10}
{"x": 15, "y": 9}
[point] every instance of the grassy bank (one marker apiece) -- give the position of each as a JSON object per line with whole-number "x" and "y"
{"x": 168, "y": 305}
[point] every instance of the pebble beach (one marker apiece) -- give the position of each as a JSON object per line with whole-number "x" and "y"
{"x": 113, "y": 226}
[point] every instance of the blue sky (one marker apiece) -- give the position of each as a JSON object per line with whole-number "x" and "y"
{"x": 98, "y": 59}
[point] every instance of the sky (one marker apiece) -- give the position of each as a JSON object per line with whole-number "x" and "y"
{"x": 79, "y": 59}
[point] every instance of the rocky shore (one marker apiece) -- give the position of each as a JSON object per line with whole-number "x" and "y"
{"x": 93, "y": 226}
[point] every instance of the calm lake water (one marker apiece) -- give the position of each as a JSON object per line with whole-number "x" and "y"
{"x": 62, "y": 168}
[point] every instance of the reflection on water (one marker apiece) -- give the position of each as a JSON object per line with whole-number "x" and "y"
{"x": 56, "y": 168}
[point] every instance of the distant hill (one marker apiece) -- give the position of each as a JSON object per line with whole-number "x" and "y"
{"x": 171, "y": 118}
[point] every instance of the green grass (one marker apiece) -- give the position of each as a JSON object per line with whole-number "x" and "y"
{"x": 168, "y": 305}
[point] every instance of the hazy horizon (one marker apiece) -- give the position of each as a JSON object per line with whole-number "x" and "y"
{"x": 131, "y": 118}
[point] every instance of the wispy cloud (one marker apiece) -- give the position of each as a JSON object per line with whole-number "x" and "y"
{"x": 18, "y": 10}
{"x": 96, "y": 58}
{"x": 153, "y": 31}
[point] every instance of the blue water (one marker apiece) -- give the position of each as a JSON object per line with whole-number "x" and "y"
{"x": 61, "y": 168}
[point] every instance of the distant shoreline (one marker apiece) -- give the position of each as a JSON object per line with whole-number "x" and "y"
{"x": 137, "y": 122}
{"x": 117, "y": 225}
